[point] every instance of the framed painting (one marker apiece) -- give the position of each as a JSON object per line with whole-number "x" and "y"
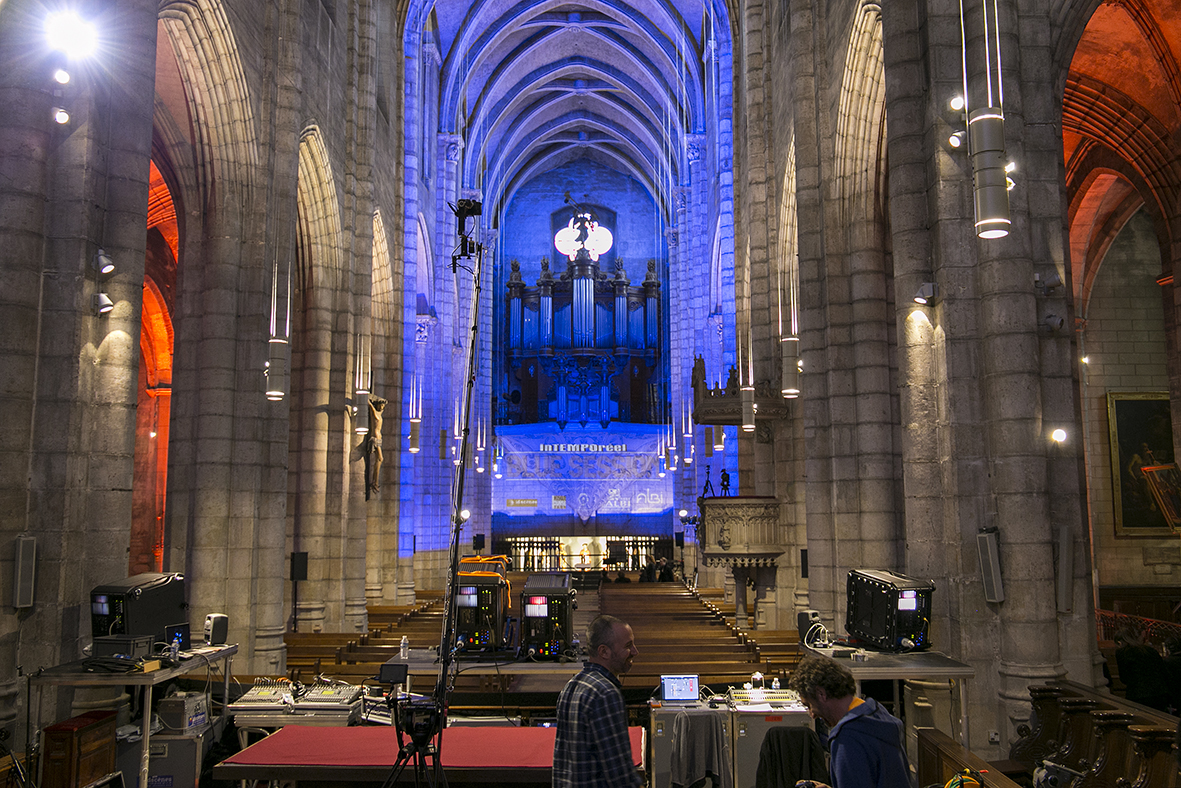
{"x": 1164, "y": 482}
{"x": 1141, "y": 435}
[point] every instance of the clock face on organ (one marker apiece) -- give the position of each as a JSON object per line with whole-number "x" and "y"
{"x": 583, "y": 232}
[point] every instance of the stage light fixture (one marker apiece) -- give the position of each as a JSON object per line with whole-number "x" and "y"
{"x": 61, "y": 76}
{"x": 927, "y": 295}
{"x": 464, "y": 515}
{"x": 103, "y": 303}
{"x": 61, "y": 116}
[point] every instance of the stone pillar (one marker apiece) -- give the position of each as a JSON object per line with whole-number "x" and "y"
{"x": 69, "y": 396}
{"x": 741, "y": 575}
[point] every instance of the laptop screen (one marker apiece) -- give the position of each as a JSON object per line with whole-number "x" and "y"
{"x": 680, "y": 687}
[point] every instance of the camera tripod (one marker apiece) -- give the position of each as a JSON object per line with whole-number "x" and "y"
{"x": 420, "y": 721}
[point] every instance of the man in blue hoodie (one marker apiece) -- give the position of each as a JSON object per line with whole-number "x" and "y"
{"x": 864, "y": 740}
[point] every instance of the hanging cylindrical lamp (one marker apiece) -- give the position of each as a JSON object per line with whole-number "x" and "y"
{"x": 747, "y": 388}
{"x": 277, "y": 345}
{"x": 984, "y": 106}
{"x": 277, "y": 369}
{"x": 415, "y": 428}
{"x": 986, "y": 146}
{"x": 790, "y": 349}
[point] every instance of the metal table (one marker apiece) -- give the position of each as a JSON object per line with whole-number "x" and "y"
{"x": 913, "y": 665}
{"x": 74, "y": 674}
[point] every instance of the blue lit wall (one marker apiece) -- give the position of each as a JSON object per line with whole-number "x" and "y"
{"x": 525, "y": 232}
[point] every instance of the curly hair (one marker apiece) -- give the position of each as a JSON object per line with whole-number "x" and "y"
{"x": 815, "y": 673}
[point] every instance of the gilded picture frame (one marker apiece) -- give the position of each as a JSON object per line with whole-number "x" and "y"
{"x": 1140, "y": 430}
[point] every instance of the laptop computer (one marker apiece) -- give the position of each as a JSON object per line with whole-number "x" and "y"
{"x": 679, "y": 689}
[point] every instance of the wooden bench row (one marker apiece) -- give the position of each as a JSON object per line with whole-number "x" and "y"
{"x": 1103, "y": 736}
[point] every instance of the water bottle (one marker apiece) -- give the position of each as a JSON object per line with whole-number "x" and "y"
{"x": 775, "y": 683}
{"x": 174, "y": 649}
{"x": 404, "y": 648}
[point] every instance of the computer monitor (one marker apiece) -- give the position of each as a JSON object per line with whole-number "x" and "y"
{"x": 680, "y": 688}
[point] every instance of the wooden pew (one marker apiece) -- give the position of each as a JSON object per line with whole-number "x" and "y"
{"x": 1103, "y": 736}
{"x": 941, "y": 757}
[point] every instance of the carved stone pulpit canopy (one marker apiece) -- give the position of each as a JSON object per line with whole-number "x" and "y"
{"x": 740, "y": 531}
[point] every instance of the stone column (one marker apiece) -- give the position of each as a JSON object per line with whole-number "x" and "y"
{"x": 69, "y": 396}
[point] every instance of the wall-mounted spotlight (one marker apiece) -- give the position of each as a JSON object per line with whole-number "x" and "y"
{"x": 61, "y": 76}
{"x": 958, "y": 139}
{"x": 1054, "y": 322}
{"x": 927, "y": 295}
{"x": 61, "y": 116}
{"x": 1048, "y": 283}
{"x": 464, "y": 515}
{"x": 957, "y": 103}
{"x": 102, "y": 303}
{"x": 103, "y": 263}
{"x": 1058, "y": 435}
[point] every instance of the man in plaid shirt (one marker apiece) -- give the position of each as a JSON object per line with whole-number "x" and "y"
{"x": 592, "y": 748}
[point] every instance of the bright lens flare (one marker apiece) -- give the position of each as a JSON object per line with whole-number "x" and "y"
{"x": 68, "y": 33}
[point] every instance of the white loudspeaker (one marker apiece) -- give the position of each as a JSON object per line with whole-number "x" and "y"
{"x": 990, "y": 566}
{"x": 24, "y": 571}
{"x": 216, "y": 627}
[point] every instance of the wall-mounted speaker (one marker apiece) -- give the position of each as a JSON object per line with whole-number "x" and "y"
{"x": 24, "y": 572}
{"x": 987, "y": 546}
{"x": 1065, "y": 569}
{"x": 679, "y": 538}
{"x": 299, "y": 566}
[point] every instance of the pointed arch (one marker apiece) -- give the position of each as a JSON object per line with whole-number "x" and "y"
{"x": 217, "y": 93}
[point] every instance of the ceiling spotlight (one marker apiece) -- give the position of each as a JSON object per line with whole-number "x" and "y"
{"x": 102, "y": 303}
{"x": 957, "y": 103}
{"x": 958, "y": 139}
{"x": 61, "y": 76}
{"x": 927, "y": 294}
{"x": 61, "y": 116}
{"x": 103, "y": 262}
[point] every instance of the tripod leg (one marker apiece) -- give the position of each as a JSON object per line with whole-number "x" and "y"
{"x": 404, "y": 756}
